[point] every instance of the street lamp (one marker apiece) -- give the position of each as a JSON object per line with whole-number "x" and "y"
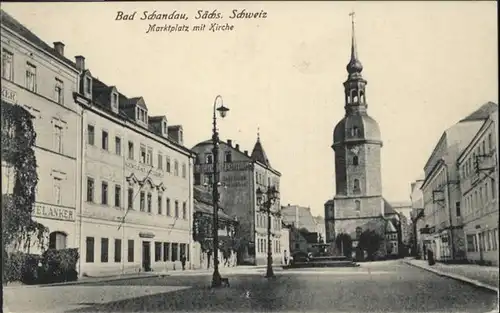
{"x": 216, "y": 278}
{"x": 266, "y": 199}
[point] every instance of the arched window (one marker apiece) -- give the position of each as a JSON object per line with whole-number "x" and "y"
{"x": 355, "y": 160}
{"x": 356, "y": 188}
{"x": 57, "y": 240}
{"x": 362, "y": 97}
{"x": 355, "y": 131}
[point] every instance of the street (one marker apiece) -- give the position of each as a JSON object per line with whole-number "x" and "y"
{"x": 388, "y": 286}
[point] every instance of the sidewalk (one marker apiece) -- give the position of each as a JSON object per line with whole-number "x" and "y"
{"x": 89, "y": 280}
{"x": 480, "y": 276}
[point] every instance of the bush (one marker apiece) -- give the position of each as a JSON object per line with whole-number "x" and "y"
{"x": 21, "y": 267}
{"x": 60, "y": 265}
{"x": 51, "y": 267}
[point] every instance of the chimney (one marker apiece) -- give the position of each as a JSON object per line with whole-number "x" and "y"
{"x": 237, "y": 147}
{"x": 230, "y": 142}
{"x": 246, "y": 152}
{"x": 59, "y": 47}
{"x": 80, "y": 62}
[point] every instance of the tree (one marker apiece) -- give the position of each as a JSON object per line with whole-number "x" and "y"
{"x": 344, "y": 244}
{"x": 18, "y": 139}
{"x": 369, "y": 241}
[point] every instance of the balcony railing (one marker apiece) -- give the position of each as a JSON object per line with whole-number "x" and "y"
{"x": 224, "y": 167}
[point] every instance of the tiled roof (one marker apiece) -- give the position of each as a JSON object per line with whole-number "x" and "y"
{"x": 203, "y": 203}
{"x": 208, "y": 209}
{"x": 301, "y": 217}
{"x": 482, "y": 113}
{"x": 258, "y": 154}
{"x": 11, "y": 23}
{"x": 389, "y": 227}
{"x": 388, "y": 209}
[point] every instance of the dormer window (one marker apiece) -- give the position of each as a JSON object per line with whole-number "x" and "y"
{"x": 114, "y": 102}
{"x": 142, "y": 115}
{"x": 88, "y": 86}
{"x": 164, "y": 128}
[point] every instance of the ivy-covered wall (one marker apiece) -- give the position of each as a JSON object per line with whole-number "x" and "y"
{"x": 18, "y": 140}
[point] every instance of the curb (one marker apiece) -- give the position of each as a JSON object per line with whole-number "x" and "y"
{"x": 84, "y": 282}
{"x": 456, "y": 277}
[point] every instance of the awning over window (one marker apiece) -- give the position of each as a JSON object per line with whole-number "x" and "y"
{"x": 200, "y": 207}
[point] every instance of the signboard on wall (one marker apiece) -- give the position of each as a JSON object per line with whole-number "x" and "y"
{"x": 8, "y": 95}
{"x": 143, "y": 168}
{"x": 44, "y": 210}
{"x": 235, "y": 180}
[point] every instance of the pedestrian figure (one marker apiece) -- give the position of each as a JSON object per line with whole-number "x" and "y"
{"x": 285, "y": 257}
{"x": 183, "y": 261}
{"x": 430, "y": 256}
{"x": 209, "y": 254}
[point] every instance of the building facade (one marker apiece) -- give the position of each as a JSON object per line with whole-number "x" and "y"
{"x": 478, "y": 166}
{"x": 242, "y": 174}
{"x": 41, "y": 79}
{"x": 418, "y": 223}
{"x": 442, "y": 191}
{"x": 203, "y": 232}
{"x": 137, "y": 197}
{"x": 358, "y": 204}
{"x": 403, "y": 208}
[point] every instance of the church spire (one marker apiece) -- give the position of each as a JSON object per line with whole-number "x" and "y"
{"x": 354, "y": 66}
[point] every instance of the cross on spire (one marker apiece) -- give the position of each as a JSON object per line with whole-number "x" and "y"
{"x": 352, "y": 15}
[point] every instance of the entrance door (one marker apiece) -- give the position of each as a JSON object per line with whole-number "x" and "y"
{"x": 146, "y": 256}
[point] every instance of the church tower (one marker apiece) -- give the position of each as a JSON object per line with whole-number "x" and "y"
{"x": 358, "y": 203}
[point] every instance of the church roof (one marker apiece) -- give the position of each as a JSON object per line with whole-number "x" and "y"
{"x": 367, "y": 129}
{"x": 258, "y": 153}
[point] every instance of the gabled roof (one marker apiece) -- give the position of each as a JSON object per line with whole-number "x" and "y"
{"x": 258, "y": 154}
{"x": 11, "y": 23}
{"x": 300, "y": 216}
{"x": 135, "y": 101}
{"x": 482, "y": 113}
{"x": 388, "y": 209}
{"x": 389, "y": 227}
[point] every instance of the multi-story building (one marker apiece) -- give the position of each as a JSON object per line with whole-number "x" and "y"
{"x": 478, "y": 166}
{"x": 441, "y": 188}
{"x": 41, "y": 79}
{"x": 301, "y": 217}
{"x": 417, "y": 205}
{"x": 137, "y": 196}
{"x": 242, "y": 174}
{"x": 203, "y": 231}
{"x": 402, "y": 207}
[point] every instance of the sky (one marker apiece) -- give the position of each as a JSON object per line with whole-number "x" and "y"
{"x": 428, "y": 64}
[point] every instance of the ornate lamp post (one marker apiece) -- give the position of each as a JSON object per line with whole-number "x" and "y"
{"x": 216, "y": 278}
{"x": 266, "y": 199}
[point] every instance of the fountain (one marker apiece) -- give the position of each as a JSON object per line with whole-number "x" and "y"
{"x": 324, "y": 255}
